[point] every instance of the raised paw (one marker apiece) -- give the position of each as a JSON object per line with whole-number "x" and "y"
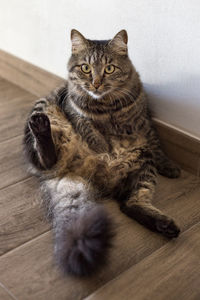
{"x": 40, "y": 124}
{"x": 169, "y": 169}
{"x": 167, "y": 227}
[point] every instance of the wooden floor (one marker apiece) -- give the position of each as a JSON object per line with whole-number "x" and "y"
{"x": 142, "y": 264}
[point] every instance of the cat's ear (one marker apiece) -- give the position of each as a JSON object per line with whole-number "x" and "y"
{"x": 79, "y": 43}
{"x": 119, "y": 42}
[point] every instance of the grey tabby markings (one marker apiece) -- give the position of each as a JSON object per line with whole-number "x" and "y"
{"x": 90, "y": 138}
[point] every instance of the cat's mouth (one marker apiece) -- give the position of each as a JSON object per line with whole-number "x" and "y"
{"x": 98, "y": 94}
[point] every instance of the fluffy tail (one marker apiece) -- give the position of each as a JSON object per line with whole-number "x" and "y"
{"x": 81, "y": 245}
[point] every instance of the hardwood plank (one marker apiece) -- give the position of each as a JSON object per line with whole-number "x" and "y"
{"x": 4, "y": 295}
{"x": 179, "y": 198}
{"x": 26, "y": 75}
{"x": 35, "y": 276}
{"x": 9, "y": 90}
{"x": 12, "y": 163}
{"x": 171, "y": 272}
{"x": 5, "y": 90}
{"x": 15, "y": 103}
{"x": 21, "y": 216}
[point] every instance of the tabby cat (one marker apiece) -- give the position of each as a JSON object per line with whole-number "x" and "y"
{"x": 94, "y": 137}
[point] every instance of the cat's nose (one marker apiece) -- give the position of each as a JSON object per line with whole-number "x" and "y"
{"x": 96, "y": 83}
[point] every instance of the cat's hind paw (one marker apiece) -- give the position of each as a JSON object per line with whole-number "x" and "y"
{"x": 40, "y": 124}
{"x": 167, "y": 227}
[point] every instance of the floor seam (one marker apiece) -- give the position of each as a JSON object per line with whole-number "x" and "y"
{"x": 8, "y": 291}
{"x": 16, "y": 182}
{"x": 26, "y": 242}
{"x": 12, "y": 138}
{"x": 8, "y": 139}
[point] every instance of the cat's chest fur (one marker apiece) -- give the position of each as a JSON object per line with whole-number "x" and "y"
{"x": 123, "y": 127}
{"x": 115, "y": 125}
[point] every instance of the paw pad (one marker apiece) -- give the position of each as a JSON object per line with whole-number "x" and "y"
{"x": 39, "y": 123}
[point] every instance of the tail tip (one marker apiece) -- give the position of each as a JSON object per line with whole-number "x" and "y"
{"x": 82, "y": 248}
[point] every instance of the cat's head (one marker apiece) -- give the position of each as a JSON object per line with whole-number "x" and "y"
{"x": 99, "y": 67}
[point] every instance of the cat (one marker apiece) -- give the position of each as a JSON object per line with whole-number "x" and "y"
{"x": 94, "y": 137}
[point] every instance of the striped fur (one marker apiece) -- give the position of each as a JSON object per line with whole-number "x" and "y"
{"x": 94, "y": 137}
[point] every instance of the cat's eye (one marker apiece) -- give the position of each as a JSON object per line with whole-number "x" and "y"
{"x": 86, "y": 68}
{"x": 109, "y": 69}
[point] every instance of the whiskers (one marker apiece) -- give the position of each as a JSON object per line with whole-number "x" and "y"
{"x": 112, "y": 99}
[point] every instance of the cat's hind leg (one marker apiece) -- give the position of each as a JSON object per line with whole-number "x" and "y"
{"x": 138, "y": 204}
{"x": 39, "y": 145}
{"x": 41, "y": 129}
{"x": 164, "y": 165}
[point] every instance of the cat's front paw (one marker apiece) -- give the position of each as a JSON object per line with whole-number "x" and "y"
{"x": 40, "y": 124}
{"x": 100, "y": 146}
{"x": 167, "y": 227}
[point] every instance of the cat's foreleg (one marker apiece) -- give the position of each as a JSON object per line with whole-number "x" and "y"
{"x": 95, "y": 140}
{"x": 131, "y": 161}
{"x": 139, "y": 207}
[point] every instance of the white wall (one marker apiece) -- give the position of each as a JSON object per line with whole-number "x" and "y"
{"x": 164, "y": 44}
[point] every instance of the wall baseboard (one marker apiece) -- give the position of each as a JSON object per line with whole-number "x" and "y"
{"x": 29, "y": 77}
{"x": 180, "y": 147}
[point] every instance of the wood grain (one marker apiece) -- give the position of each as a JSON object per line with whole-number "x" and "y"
{"x": 171, "y": 272}
{"x": 15, "y": 103}
{"x": 34, "y": 275}
{"x": 12, "y": 163}
{"x": 8, "y": 90}
{"x": 21, "y": 215}
{"x": 31, "y": 78}
{"x": 4, "y": 295}
{"x": 179, "y": 198}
